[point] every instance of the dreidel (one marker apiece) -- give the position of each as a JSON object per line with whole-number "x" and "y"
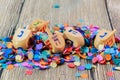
{"x": 74, "y": 36}
{"x": 38, "y": 25}
{"x": 55, "y": 41}
{"x": 104, "y": 37}
{"x": 21, "y": 38}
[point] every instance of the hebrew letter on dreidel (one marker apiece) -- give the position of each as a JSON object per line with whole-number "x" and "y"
{"x": 21, "y": 38}
{"x": 57, "y": 42}
{"x": 74, "y": 36}
{"x": 104, "y": 37}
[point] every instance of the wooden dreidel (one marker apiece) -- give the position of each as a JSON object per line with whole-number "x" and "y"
{"x": 74, "y": 36}
{"x": 104, "y": 37}
{"x": 38, "y": 24}
{"x": 21, "y": 38}
{"x": 56, "y": 41}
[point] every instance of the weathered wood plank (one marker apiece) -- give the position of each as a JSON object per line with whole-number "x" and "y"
{"x": 9, "y": 15}
{"x": 114, "y": 11}
{"x": 70, "y": 11}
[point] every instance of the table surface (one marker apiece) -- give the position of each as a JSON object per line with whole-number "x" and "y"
{"x": 17, "y": 13}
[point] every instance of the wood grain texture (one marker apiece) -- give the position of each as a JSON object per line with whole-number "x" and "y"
{"x": 114, "y": 11}
{"x": 9, "y": 16}
{"x": 70, "y": 11}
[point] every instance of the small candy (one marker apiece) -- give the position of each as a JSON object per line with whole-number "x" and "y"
{"x": 81, "y": 68}
{"x": 84, "y": 75}
{"x": 71, "y": 65}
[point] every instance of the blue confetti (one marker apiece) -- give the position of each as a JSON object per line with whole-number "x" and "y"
{"x": 56, "y": 6}
{"x": 77, "y": 74}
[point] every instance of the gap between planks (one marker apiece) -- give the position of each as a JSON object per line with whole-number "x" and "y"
{"x": 68, "y": 15}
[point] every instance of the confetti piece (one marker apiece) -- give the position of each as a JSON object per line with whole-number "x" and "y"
{"x": 88, "y": 66}
{"x": 30, "y": 55}
{"x": 111, "y": 78}
{"x": 77, "y": 74}
{"x": 9, "y": 44}
{"x": 81, "y": 20}
{"x": 84, "y": 75}
{"x": 109, "y": 73}
{"x": 77, "y": 63}
{"x": 39, "y": 46}
{"x": 81, "y": 68}
{"x": 99, "y": 57}
{"x": 71, "y": 65}
{"x": 4, "y": 66}
{"x": 28, "y": 72}
{"x": 108, "y": 57}
{"x": 53, "y": 64}
{"x": 101, "y": 47}
{"x": 94, "y": 60}
{"x": 9, "y": 67}
{"x": 56, "y": 6}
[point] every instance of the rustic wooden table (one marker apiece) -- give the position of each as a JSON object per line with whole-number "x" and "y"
{"x": 17, "y": 13}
